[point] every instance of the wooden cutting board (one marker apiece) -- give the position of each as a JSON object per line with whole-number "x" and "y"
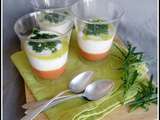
{"x": 120, "y": 113}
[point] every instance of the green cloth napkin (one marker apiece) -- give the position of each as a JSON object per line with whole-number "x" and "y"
{"x": 79, "y": 108}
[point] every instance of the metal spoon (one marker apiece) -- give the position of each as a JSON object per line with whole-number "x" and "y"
{"x": 93, "y": 91}
{"x": 77, "y": 85}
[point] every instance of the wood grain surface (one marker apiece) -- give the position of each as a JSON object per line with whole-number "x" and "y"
{"x": 120, "y": 113}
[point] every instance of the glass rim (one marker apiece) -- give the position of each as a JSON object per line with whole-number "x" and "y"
{"x": 106, "y": 21}
{"x": 60, "y": 35}
{"x": 54, "y": 7}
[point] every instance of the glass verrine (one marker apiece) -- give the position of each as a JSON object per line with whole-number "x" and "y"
{"x": 47, "y": 51}
{"x": 52, "y": 4}
{"x": 96, "y": 24}
{"x": 55, "y": 20}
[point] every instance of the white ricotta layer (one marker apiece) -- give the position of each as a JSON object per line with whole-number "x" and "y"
{"x": 60, "y": 28}
{"x": 94, "y": 46}
{"x": 48, "y": 65}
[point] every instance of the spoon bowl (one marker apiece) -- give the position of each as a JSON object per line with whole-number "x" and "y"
{"x": 98, "y": 89}
{"x": 80, "y": 82}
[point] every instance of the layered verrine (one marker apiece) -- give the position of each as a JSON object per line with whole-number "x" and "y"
{"x": 95, "y": 39}
{"x": 96, "y": 25}
{"x": 46, "y": 50}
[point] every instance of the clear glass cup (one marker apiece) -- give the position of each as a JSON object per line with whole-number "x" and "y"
{"x": 62, "y": 6}
{"x": 52, "y": 4}
{"x": 55, "y": 20}
{"x": 46, "y": 50}
{"x": 96, "y": 23}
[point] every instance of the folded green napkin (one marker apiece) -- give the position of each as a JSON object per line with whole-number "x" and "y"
{"x": 79, "y": 108}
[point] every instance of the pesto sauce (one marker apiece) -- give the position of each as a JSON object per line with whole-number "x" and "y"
{"x": 40, "y": 46}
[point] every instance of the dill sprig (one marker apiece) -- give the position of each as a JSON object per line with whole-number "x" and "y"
{"x": 133, "y": 67}
{"x": 146, "y": 95}
{"x": 130, "y": 58}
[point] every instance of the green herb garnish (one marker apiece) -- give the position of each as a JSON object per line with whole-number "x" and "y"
{"x": 95, "y": 29}
{"x": 40, "y": 46}
{"x": 37, "y": 35}
{"x": 130, "y": 60}
{"x": 134, "y": 68}
{"x": 146, "y": 95}
{"x": 66, "y": 12}
{"x": 54, "y": 17}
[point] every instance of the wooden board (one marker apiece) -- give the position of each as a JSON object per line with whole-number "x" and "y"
{"x": 120, "y": 113}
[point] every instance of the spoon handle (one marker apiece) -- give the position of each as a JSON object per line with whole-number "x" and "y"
{"x": 64, "y": 99}
{"x": 33, "y": 105}
{"x": 32, "y": 115}
{"x": 29, "y": 111}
